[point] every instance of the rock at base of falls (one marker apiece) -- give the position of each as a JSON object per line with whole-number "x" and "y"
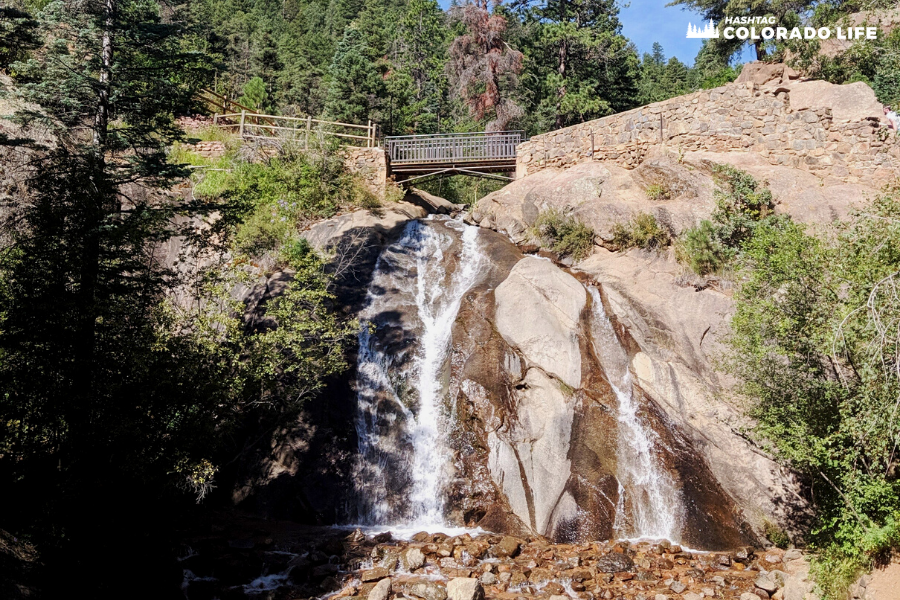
{"x": 415, "y": 586}
{"x": 615, "y": 562}
{"x": 413, "y": 559}
{"x": 463, "y": 567}
{"x": 465, "y": 588}
{"x": 381, "y": 591}
{"x": 507, "y": 547}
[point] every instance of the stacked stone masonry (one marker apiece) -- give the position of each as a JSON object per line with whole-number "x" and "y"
{"x": 370, "y": 164}
{"x": 737, "y": 117}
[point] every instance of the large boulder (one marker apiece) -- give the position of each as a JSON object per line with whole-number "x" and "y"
{"x": 549, "y": 301}
{"x": 529, "y": 458}
{"x": 850, "y": 102}
{"x": 761, "y": 73}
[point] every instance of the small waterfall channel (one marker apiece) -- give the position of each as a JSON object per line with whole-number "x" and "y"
{"x": 402, "y": 371}
{"x": 650, "y": 504}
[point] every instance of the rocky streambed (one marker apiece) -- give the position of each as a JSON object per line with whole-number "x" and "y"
{"x": 280, "y": 563}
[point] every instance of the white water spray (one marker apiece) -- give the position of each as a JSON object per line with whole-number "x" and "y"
{"x": 650, "y": 505}
{"x": 410, "y": 277}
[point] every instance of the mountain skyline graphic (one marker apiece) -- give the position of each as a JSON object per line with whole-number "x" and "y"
{"x": 707, "y": 32}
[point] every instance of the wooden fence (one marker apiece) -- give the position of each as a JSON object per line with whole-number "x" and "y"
{"x": 259, "y": 126}
{"x": 253, "y": 125}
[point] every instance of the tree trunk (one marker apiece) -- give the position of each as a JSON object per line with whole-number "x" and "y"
{"x": 760, "y": 51}
{"x": 95, "y": 211}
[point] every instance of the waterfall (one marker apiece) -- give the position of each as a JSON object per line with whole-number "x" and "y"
{"x": 650, "y": 504}
{"x": 412, "y": 304}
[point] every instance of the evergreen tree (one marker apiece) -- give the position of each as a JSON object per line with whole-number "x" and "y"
{"x": 421, "y": 48}
{"x": 588, "y": 68}
{"x": 255, "y": 95}
{"x": 356, "y": 85}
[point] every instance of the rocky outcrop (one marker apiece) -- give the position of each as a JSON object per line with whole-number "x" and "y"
{"x": 538, "y": 410}
{"x": 671, "y": 322}
{"x": 603, "y": 194}
{"x": 550, "y": 301}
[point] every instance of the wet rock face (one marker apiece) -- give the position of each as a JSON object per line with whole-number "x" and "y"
{"x": 483, "y": 567}
{"x": 537, "y": 438}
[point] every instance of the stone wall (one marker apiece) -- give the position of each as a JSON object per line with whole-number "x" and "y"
{"x": 738, "y": 117}
{"x": 371, "y": 165}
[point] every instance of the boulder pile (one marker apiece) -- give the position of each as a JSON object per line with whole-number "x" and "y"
{"x": 486, "y": 566}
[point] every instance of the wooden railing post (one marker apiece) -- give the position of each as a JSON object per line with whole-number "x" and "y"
{"x": 243, "y": 116}
{"x": 369, "y": 136}
{"x": 308, "y": 130}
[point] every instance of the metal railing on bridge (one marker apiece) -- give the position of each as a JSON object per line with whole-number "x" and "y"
{"x": 440, "y": 148}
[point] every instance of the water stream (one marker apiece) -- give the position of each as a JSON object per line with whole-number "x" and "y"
{"x": 650, "y": 504}
{"x": 413, "y": 300}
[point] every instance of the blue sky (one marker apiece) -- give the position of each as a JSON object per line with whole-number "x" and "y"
{"x": 648, "y": 21}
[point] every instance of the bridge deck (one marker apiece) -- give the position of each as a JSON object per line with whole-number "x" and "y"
{"x": 471, "y": 153}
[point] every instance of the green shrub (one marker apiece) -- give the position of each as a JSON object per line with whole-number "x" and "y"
{"x": 658, "y": 191}
{"x": 809, "y": 344}
{"x": 262, "y": 231}
{"x": 641, "y": 231}
{"x": 776, "y": 535}
{"x": 742, "y": 205}
{"x": 701, "y": 249}
{"x": 564, "y": 234}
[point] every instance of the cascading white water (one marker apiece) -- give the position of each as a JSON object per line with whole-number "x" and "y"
{"x": 650, "y": 505}
{"x": 400, "y": 422}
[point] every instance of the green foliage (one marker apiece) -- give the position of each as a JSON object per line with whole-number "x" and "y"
{"x": 701, "y": 249}
{"x": 661, "y": 79}
{"x": 641, "y": 231}
{"x": 356, "y": 83}
{"x": 776, "y": 535}
{"x": 575, "y": 51}
{"x": 742, "y": 205}
{"x": 810, "y": 345}
{"x": 128, "y": 372}
{"x": 658, "y": 191}
{"x": 563, "y": 233}
{"x": 460, "y": 189}
{"x": 18, "y": 35}
{"x": 255, "y": 95}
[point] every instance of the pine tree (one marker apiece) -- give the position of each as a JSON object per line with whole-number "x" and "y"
{"x": 588, "y": 68}
{"x": 421, "y": 47}
{"x": 81, "y": 280}
{"x": 356, "y": 85}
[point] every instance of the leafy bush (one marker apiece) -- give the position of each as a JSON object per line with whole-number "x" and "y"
{"x": 814, "y": 343}
{"x": 742, "y": 205}
{"x": 701, "y": 249}
{"x": 564, "y": 234}
{"x": 658, "y": 191}
{"x": 641, "y": 231}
